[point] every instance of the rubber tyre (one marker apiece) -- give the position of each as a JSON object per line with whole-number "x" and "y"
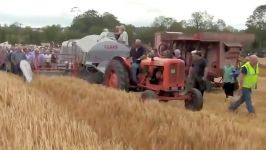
{"x": 122, "y": 75}
{"x": 148, "y": 95}
{"x": 96, "y": 77}
{"x": 92, "y": 77}
{"x": 196, "y": 103}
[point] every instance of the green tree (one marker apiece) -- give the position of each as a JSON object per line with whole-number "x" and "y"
{"x": 163, "y": 22}
{"x": 178, "y": 26}
{"x": 51, "y": 33}
{"x": 201, "y": 21}
{"x": 256, "y": 24}
{"x": 258, "y": 18}
{"x": 14, "y": 33}
{"x": 109, "y": 20}
{"x": 219, "y": 25}
{"x": 2, "y": 34}
{"x": 230, "y": 29}
{"x": 84, "y": 22}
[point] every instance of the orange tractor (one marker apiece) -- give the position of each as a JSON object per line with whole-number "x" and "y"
{"x": 104, "y": 61}
{"x": 159, "y": 78}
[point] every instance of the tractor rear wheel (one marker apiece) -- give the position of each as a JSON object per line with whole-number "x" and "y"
{"x": 148, "y": 95}
{"x": 91, "y": 76}
{"x": 96, "y": 77}
{"x": 116, "y": 76}
{"x": 196, "y": 102}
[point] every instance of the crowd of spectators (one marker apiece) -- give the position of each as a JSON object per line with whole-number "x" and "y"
{"x": 37, "y": 56}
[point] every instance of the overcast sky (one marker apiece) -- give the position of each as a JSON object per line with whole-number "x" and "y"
{"x": 38, "y": 13}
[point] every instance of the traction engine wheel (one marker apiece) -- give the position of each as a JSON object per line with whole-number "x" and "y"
{"x": 116, "y": 76}
{"x": 196, "y": 102}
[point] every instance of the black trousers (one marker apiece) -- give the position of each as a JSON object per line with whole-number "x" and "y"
{"x": 3, "y": 67}
{"x": 17, "y": 70}
{"x": 200, "y": 85}
{"x": 229, "y": 89}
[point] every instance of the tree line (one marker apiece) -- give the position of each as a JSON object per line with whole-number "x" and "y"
{"x": 92, "y": 22}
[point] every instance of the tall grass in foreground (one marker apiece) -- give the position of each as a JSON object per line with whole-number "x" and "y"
{"x": 118, "y": 115}
{"x": 29, "y": 120}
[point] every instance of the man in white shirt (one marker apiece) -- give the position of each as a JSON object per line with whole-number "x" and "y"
{"x": 123, "y": 38}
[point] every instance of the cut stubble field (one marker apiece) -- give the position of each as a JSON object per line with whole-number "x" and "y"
{"x": 68, "y": 113}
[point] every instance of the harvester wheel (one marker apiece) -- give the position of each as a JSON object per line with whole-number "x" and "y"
{"x": 148, "y": 95}
{"x": 116, "y": 76}
{"x": 196, "y": 102}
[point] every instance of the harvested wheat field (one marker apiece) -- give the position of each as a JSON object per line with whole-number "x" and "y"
{"x": 68, "y": 113}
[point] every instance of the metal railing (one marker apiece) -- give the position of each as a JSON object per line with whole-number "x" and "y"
{"x": 68, "y": 63}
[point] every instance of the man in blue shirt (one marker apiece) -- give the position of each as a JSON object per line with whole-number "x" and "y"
{"x": 137, "y": 53}
{"x": 16, "y": 57}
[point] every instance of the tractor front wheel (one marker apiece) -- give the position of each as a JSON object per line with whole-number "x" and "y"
{"x": 196, "y": 101}
{"x": 116, "y": 76}
{"x": 148, "y": 95}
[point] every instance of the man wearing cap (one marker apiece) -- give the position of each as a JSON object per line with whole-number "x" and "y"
{"x": 198, "y": 71}
{"x": 247, "y": 81}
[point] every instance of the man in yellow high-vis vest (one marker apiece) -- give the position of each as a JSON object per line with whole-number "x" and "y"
{"x": 247, "y": 81}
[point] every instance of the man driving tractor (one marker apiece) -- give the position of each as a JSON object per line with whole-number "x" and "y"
{"x": 137, "y": 53}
